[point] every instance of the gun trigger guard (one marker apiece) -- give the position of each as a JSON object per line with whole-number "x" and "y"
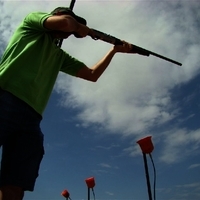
{"x": 94, "y": 38}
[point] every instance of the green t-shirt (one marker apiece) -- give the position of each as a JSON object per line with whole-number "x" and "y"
{"x": 32, "y": 61}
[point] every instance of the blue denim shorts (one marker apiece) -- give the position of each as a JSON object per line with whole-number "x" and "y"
{"x": 21, "y": 140}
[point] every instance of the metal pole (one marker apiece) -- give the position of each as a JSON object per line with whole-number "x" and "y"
{"x": 147, "y": 176}
{"x": 88, "y": 193}
{"x": 72, "y": 4}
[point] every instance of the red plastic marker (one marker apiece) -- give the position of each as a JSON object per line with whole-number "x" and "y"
{"x": 65, "y": 194}
{"x": 146, "y": 144}
{"x": 90, "y": 182}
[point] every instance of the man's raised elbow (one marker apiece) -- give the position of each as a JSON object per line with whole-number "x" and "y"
{"x": 94, "y": 80}
{"x": 91, "y": 78}
{"x": 87, "y": 74}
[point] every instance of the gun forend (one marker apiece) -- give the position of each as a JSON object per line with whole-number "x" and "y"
{"x": 98, "y": 35}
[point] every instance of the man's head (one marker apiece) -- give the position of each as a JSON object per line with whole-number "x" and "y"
{"x": 68, "y": 11}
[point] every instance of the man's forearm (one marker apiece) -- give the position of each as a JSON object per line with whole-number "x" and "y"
{"x": 93, "y": 73}
{"x": 98, "y": 69}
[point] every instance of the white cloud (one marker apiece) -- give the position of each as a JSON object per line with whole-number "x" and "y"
{"x": 109, "y": 147}
{"x": 190, "y": 185}
{"x": 105, "y": 165}
{"x": 179, "y": 144}
{"x": 110, "y": 193}
{"x": 194, "y": 166}
{"x": 133, "y": 150}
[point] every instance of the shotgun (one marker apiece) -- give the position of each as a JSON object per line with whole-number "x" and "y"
{"x": 98, "y": 35}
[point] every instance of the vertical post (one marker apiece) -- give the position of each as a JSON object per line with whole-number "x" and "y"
{"x": 90, "y": 184}
{"x": 88, "y": 193}
{"x": 147, "y": 147}
{"x": 72, "y": 4}
{"x": 147, "y": 176}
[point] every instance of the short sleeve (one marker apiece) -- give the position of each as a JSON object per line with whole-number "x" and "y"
{"x": 36, "y": 20}
{"x": 71, "y": 65}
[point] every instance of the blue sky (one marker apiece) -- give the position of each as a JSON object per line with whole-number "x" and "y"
{"x": 91, "y": 129}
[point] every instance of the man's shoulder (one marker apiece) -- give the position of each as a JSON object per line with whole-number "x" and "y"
{"x": 37, "y": 15}
{"x": 36, "y": 19}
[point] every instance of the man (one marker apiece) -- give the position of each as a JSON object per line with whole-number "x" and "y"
{"x": 28, "y": 71}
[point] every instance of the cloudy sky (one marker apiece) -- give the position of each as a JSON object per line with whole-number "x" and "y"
{"x": 91, "y": 129}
